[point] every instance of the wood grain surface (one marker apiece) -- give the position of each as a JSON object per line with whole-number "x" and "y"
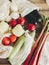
{"x": 4, "y": 62}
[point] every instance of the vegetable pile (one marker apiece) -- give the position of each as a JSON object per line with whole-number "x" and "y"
{"x": 15, "y": 41}
{"x": 17, "y": 34}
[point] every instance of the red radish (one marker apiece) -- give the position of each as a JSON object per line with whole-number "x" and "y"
{"x": 13, "y": 38}
{"x": 31, "y": 27}
{"x": 6, "y": 41}
{"x": 21, "y": 21}
{"x": 13, "y": 23}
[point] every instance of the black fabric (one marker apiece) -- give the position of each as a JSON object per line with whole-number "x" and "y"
{"x": 33, "y": 17}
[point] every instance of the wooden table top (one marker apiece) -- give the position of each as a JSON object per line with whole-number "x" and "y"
{"x": 4, "y": 62}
